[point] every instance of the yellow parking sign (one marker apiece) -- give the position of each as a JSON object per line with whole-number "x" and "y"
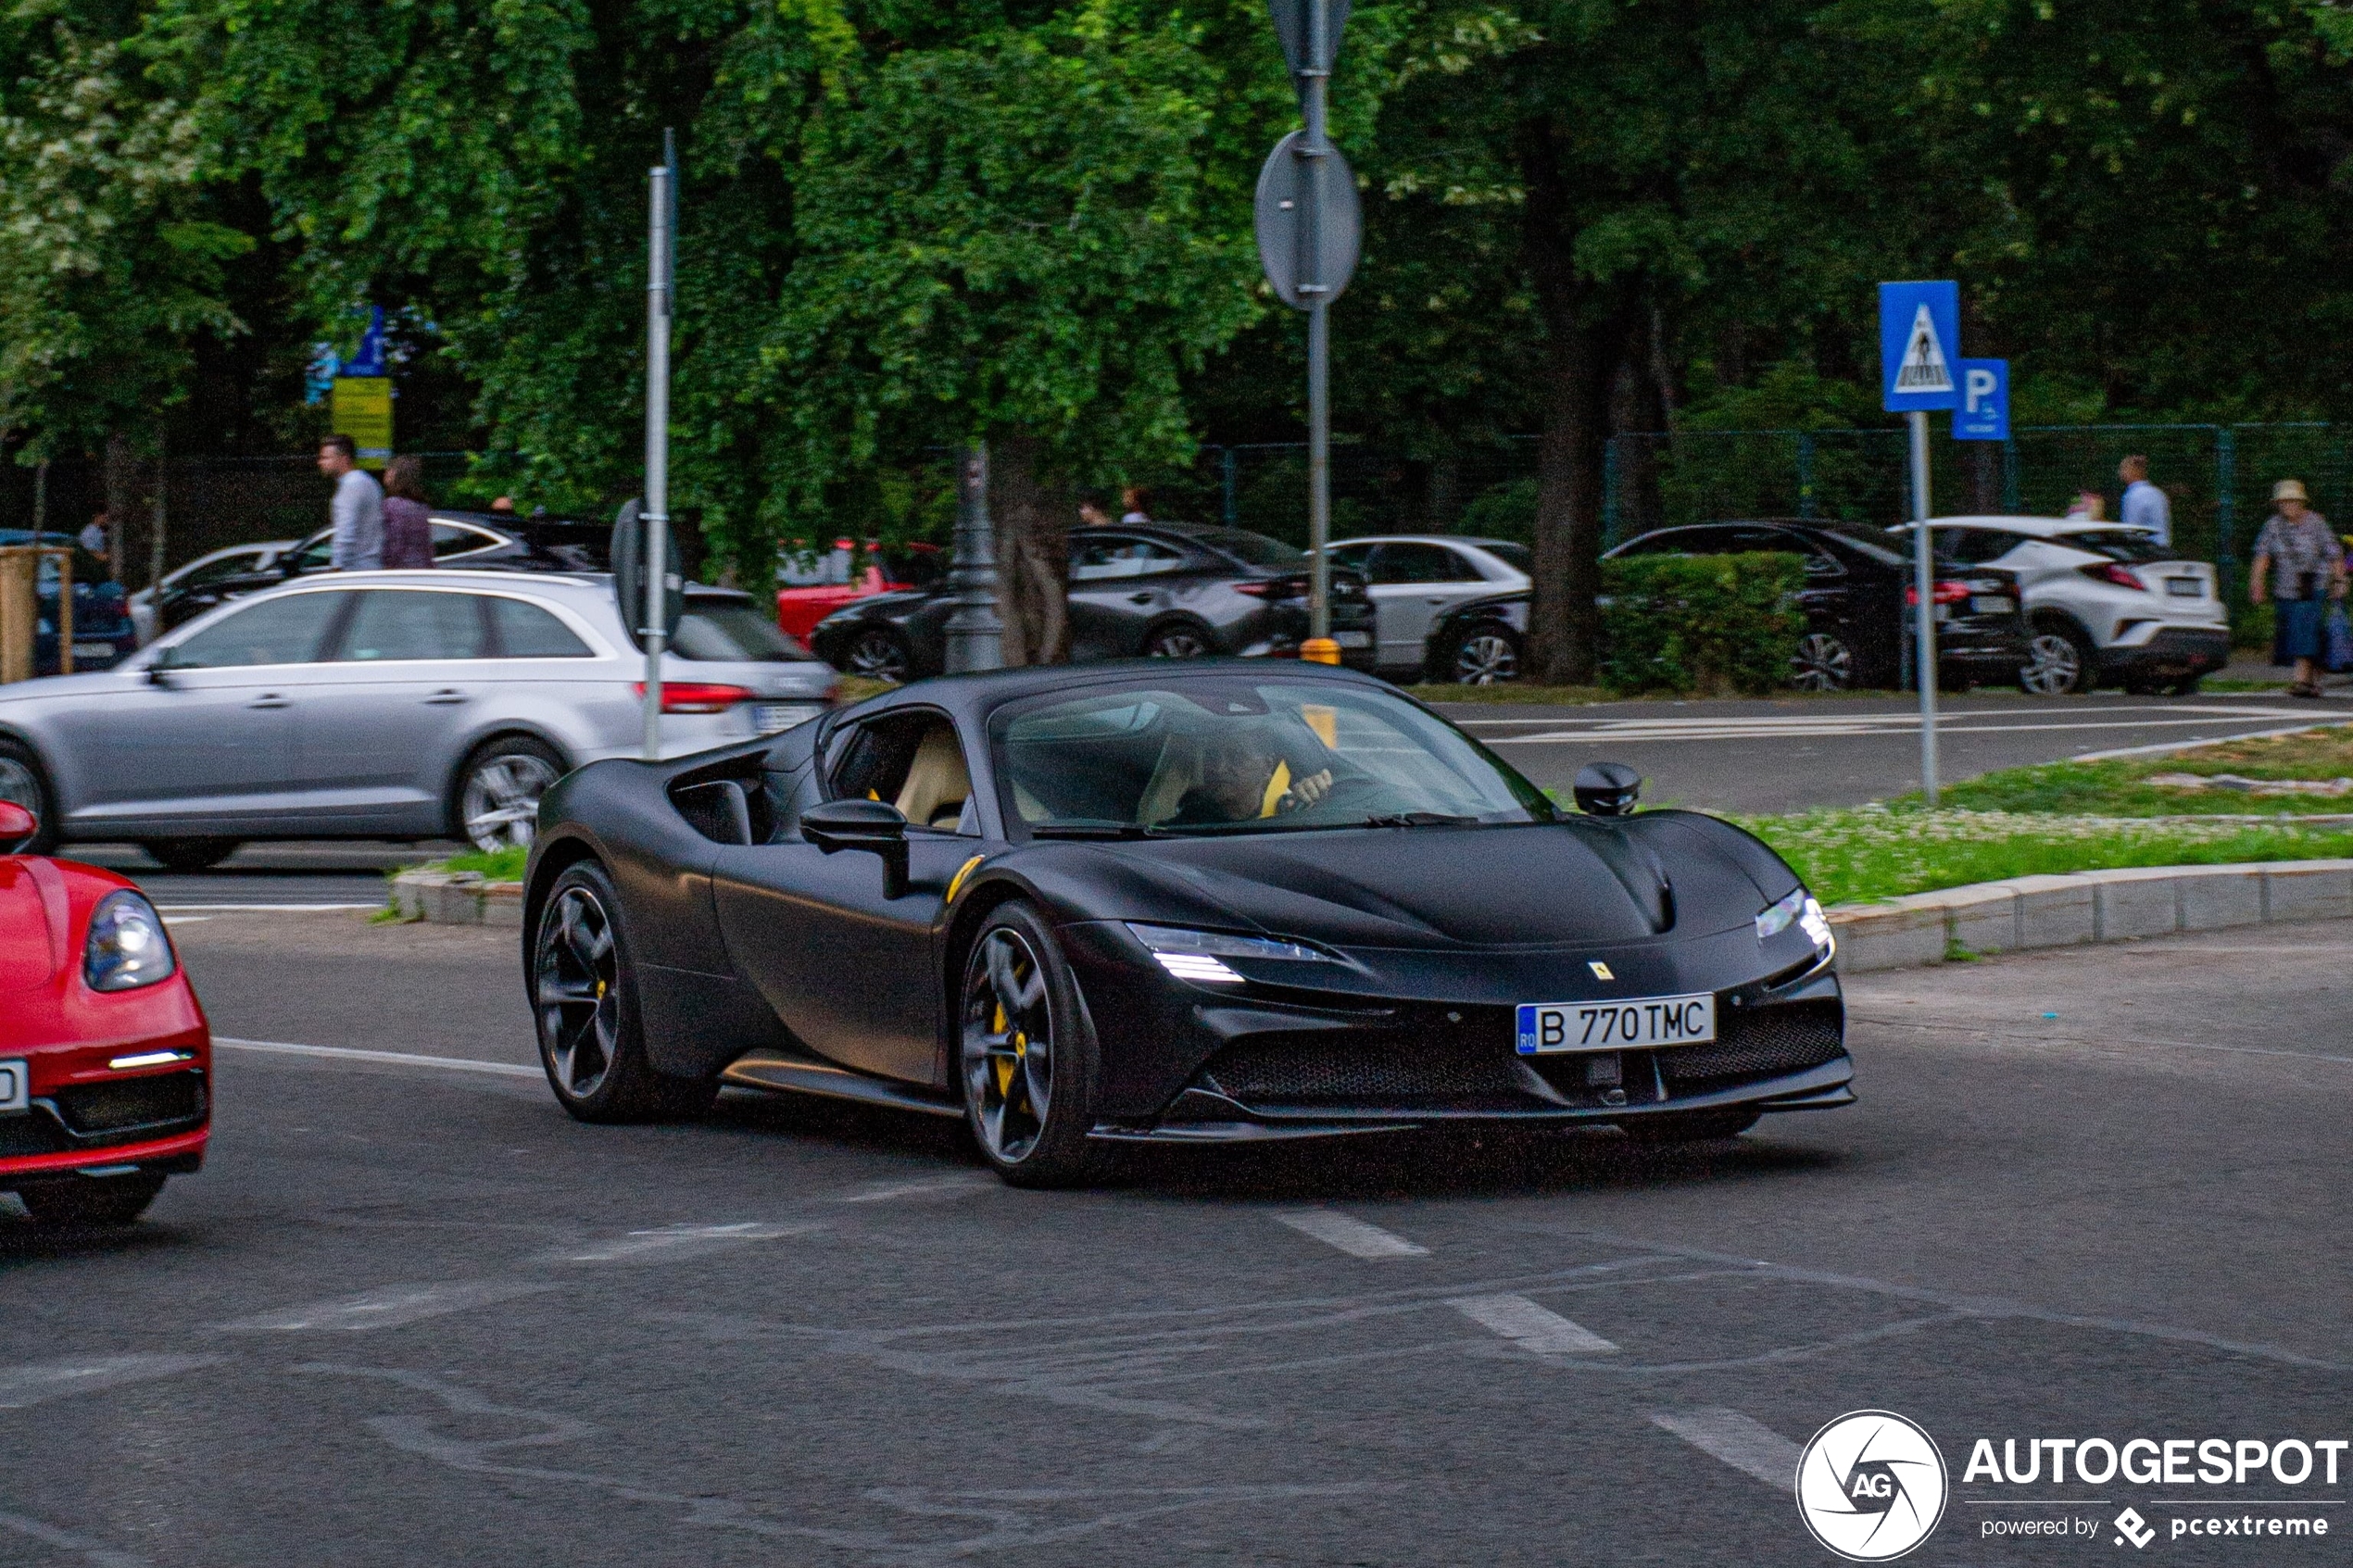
{"x": 363, "y": 411}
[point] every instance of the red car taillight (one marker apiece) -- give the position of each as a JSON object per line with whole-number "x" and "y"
{"x": 697, "y": 696}
{"x": 2109, "y": 572}
{"x": 1942, "y": 593}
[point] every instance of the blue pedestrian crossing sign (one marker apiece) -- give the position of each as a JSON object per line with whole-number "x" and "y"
{"x": 1983, "y": 412}
{"x": 1920, "y": 342}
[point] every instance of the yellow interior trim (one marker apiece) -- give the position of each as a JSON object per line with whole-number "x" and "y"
{"x": 1277, "y": 787}
{"x": 1324, "y": 720}
{"x": 956, "y": 883}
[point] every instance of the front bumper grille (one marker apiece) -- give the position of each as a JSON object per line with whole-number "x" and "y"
{"x": 1762, "y": 1043}
{"x": 102, "y": 1115}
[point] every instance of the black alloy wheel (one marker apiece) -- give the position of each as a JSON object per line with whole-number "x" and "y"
{"x": 1178, "y": 639}
{"x": 1822, "y": 663}
{"x": 1690, "y": 1126}
{"x": 2059, "y": 662}
{"x": 189, "y": 853}
{"x": 877, "y": 653}
{"x": 1484, "y": 656}
{"x": 91, "y": 1200}
{"x": 23, "y": 780}
{"x": 583, "y": 1000}
{"x": 1028, "y": 1062}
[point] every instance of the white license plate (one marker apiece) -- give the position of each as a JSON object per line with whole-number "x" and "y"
{"x": 14, "y": 1087}
{"x": 2185, "y": 587}
{"x": 1991, "y": 603}
{"x": 1629, "y": 1024}
{"x": 94, "y": 650}
{"x": 770, "y": 717}
{"x": 1353, "y": 639}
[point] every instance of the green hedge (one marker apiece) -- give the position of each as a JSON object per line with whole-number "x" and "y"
{"x": 1701, "y": 625}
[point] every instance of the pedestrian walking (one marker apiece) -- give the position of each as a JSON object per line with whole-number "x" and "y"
{"x": 2086, "y": 507}
{"x": 2299, "y": 563}
{"x": 356, "y": 511}
{"x": 1132, "y": 503}
{"x": 2144, "y": 504}
{"x": 407, "y": 525}
{"x": 94, "y": 540}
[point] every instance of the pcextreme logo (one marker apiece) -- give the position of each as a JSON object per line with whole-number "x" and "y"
{"x": 1871, "y": 1485}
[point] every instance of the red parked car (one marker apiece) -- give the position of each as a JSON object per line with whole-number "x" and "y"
{"x": 105, "y": 1056}
{"x": 808, "y": 596}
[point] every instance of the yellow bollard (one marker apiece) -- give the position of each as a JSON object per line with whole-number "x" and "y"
{"x": 19, "y": 612}
{"x": 1319, "y": 650}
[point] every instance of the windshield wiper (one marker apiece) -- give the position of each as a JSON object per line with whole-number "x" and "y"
{"x": 1091, "y": 830}
{"x": 1416, "y": 820}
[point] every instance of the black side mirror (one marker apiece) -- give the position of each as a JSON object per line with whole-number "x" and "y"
{"x": 160, "y": 668}
{"x": 871, "y": 825}
{"x": 1608, "y": 789}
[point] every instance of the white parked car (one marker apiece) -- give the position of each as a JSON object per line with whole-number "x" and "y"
{"x": 235, "y": 561}
{"x": 2106, "y": 605}
{"x": 1416, "y": 578}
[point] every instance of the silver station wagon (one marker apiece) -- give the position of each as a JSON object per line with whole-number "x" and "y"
{"x": 384, "y": 705}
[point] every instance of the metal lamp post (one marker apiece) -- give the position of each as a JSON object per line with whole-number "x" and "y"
{"x": 976, "y": 635}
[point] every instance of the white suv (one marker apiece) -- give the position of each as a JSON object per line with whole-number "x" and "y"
{"x": 2106, "y": 605}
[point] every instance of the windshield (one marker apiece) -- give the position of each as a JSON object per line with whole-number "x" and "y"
{"x": 1254, "y": 549}
{"x": 1240, "y": 754}
{"x": 729, "y": 633}
{"x": 1519, "y": 557}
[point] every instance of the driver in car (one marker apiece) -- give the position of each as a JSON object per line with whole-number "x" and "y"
{"x": 1244, "y": 777}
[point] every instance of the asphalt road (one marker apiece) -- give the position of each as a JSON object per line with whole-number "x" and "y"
{"x": 412, "y": 1314}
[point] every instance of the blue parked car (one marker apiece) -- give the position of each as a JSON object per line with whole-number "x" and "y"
{"x": 103, "y": 633}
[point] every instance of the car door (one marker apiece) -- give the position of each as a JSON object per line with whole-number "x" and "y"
{"x": 1826, "y": 595}
{"x": 208, "y": 743}
{"x": 381, "y": 735}
{"x": 1119, "y": 585}
{"x": 853, "y": 974}
{"x": 1412, "y": 582}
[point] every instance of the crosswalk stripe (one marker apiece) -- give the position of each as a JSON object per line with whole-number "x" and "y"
{"x": 1351, "y": 1237}
{"x": 1746, "y": 1445}
{"x": 1529, "y": 1326}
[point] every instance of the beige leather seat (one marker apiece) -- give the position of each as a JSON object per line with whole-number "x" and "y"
{"x": 936, "y": 782}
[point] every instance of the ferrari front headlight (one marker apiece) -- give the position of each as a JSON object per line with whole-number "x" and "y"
{"x": 126, "y": 946}
{"x": 1194, "y": 954}
{"x": 1800, "y": 908}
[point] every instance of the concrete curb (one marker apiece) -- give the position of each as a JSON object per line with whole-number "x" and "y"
{"x": 2029, "y": 912}
{"x": 2019, "y": 915}
{"x": 458, "y": 898}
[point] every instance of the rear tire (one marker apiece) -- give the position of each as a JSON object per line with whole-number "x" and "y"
{"x": 189, "y": 854}
{"x": 1483, "y": 656}
{"x": 1029, "y": 1109}
{"x": 1178, "y": 639}
{"x": 496, "y": 804}
{"x": 1823, "y": 663}
{"x": 583, "y": 1000}
{"x": 1690, "y": 1126}
{"x": 2060, "y": 661}
{"x": 24, "y": 781}
{"x": 878, "y": 654}
{"x": 91, "y": 1200}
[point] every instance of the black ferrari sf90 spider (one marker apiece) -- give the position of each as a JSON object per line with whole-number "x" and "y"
{"x": 1183, "y": 903}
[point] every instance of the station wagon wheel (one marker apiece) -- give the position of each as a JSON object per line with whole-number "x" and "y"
{"x": 1822, "y": 663}
{"x": 584, "y": 1002}
{"x": 1028, "y": 1060}
{"x": 1178, "y": 640}
{"x": 878, "y": 654}
{"x": 22, "y": 782}
{"x": 498, "y": 795}
{"x": 1486, "y": 656}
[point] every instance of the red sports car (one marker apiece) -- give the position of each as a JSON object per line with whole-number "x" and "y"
{"x": 105, "y": 1056}
{"x": 803, "y": 602}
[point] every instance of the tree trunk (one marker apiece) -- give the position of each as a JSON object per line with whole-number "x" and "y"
{"x": 1586, "y": 331}
{"x": 122, "y": 497}
{"x": 1032, "y": 554}
{"x": 156, "y": 540}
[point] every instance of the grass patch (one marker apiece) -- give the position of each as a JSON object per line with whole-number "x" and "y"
{"x": 1881, "y": 852}
{"x": 2121, "y": 788}
{"x": 498, "y": 865}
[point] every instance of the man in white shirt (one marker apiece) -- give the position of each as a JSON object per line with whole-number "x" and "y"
{"x": 358, "y": 510}
{"x": 2145, "y": 504}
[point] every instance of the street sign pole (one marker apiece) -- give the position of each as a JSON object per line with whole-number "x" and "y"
{"x": 1924, "y": 575}
{"x": 657, "y": 510}
{"x": 1320, "y": 336}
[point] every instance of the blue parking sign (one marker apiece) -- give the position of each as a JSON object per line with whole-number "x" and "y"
{"x": 1983, "y": 412}
{"x": 1920, "y": 340}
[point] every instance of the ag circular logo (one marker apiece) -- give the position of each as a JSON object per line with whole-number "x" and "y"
{"x": 1871, "y": 1485}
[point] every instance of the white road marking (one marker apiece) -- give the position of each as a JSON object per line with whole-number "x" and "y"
{"x": 66, "y": 1540}
{"x": 256, "y": 909}
{"x": 1630, "y": 732}
{"x": 176, "y": 919}
{"x": 1351, "y": 1237}
{"x": 1746, "y": 1445}
{"x": 1531, "y": 1326}
{"x": 653, "y": 1246}
{"x": 384, "y": 1059}
{"x": 2164, "y": 747}
{"x": 960, "y": 1185}
{"x": 387, "y": 1306}
{"x": 22, "y": 1386}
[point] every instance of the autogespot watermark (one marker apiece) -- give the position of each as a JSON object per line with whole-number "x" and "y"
{"x": 1873, "y": 1484}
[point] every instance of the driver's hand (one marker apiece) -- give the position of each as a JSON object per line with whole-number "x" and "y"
{"x": 1307, "y": 791}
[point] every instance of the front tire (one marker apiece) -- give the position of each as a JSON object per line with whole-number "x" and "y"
{"x": 1028, "y": 1062}
{"x": 499, "y": 791}
{"x": 189, "y": 854}
{"x": 2060, "y": 661}
{"x": 25, "y": 782}
{"x": 91, "y": 1200}
{"x": 1822, "y": 663}
{"x": 584, "y": 998}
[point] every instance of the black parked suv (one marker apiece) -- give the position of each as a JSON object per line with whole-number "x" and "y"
{"x": 498, "y": 540}
{"x": 1856, "y": 600}
{"x": 1162, "y": 590}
